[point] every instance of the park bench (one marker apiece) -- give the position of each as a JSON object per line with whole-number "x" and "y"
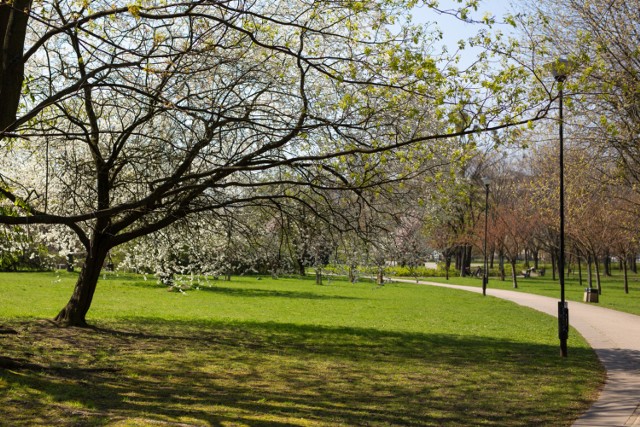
{"x": 477, "y": 272}
{"x": 528, "y": 271}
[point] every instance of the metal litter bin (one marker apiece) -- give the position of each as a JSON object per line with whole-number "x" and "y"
{"x": 590, "y": 295}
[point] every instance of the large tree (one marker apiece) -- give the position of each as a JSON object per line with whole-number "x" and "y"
{"x": 600, "y": 39}
{"x": 143, "y": 114}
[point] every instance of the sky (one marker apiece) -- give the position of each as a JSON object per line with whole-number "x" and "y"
{"x": 454, "y": 29}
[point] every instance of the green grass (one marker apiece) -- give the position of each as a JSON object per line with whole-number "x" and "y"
{"x": 285, "y": 353}
{"x": 613, "y": 295}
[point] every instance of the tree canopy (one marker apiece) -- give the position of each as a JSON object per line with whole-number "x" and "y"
{"x": 132, "y": 117}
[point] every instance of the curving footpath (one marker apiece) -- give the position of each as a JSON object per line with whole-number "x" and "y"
{"x": 615, "y": 336}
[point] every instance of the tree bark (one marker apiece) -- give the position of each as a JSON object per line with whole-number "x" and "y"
{"x": 513, "y": 273}
{"x": 352, "y": 274}
{"x": 598, "y": 284}
{"x": 73, "y": 314}
{"x": 579, "y": 270}
{"x": 607, "y": 266}
{"x": 465, "y": 262}
{"x": 469, "y": 249}
{"x": 13, "y": 25}
{"x": 626, "y": 275}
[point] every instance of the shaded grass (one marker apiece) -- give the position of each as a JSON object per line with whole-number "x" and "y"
{"x": 264, "y": 353}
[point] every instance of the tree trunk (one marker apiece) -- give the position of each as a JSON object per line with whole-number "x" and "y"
{"x": 626, "y": 275}
{"x": 73, "y": 314}
{"x": 14, "y": 16}
{"x": 607, "y": 266}
{"x": 598, "y": 284}
{"x": 461, "y": 260}
{"x": 302, "y": 271}
{"x": 553, "y": 265}
{"x": 501, "y": 265}
{"x": 465, "y": 261}
{"x": 352, "y": 274}
{"x": 513, "y": 273}
{"x": 318, "y": 276}
{"x": 579, "y": 269}
{"x": 380, "y": 278}
{"x": 589, "y": 272}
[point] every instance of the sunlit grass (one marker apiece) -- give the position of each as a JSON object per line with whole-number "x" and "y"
{"x": 285, "y": 352}
{"x": 613, "y": 295}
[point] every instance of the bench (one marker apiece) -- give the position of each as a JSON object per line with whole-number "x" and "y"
{"x": 528, "y": 271}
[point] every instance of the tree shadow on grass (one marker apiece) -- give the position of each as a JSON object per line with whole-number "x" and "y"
{"x": 270, "y": 374}
{"x": 244, "y": 292}
{"x": 270, "y": 293}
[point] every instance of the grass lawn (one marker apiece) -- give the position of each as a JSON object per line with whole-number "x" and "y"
{"x": 613, "y": 295}
{"x": 284, "y": 352}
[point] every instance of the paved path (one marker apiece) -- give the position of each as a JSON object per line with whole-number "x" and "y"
{"x": 615, "y": 336}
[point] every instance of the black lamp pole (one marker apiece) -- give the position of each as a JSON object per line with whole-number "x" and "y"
{"x": 485, "y": 276}
{"x": 560, "y": 75}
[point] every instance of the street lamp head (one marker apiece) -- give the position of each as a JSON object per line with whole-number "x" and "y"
{"x": 486, "y": 181}
{"x": 560, "y": 69}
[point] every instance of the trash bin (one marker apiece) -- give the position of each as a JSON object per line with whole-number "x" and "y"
{"x": 590, "y": 295}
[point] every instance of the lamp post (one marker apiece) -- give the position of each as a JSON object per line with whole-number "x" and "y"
{"x": 485, "y": 277}
{"x": 559, "y": 71}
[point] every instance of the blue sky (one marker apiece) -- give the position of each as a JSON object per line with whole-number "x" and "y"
{"x": 454, "y": 29}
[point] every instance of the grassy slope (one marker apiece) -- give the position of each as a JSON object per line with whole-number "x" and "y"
{"x": 286, "y": 352}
